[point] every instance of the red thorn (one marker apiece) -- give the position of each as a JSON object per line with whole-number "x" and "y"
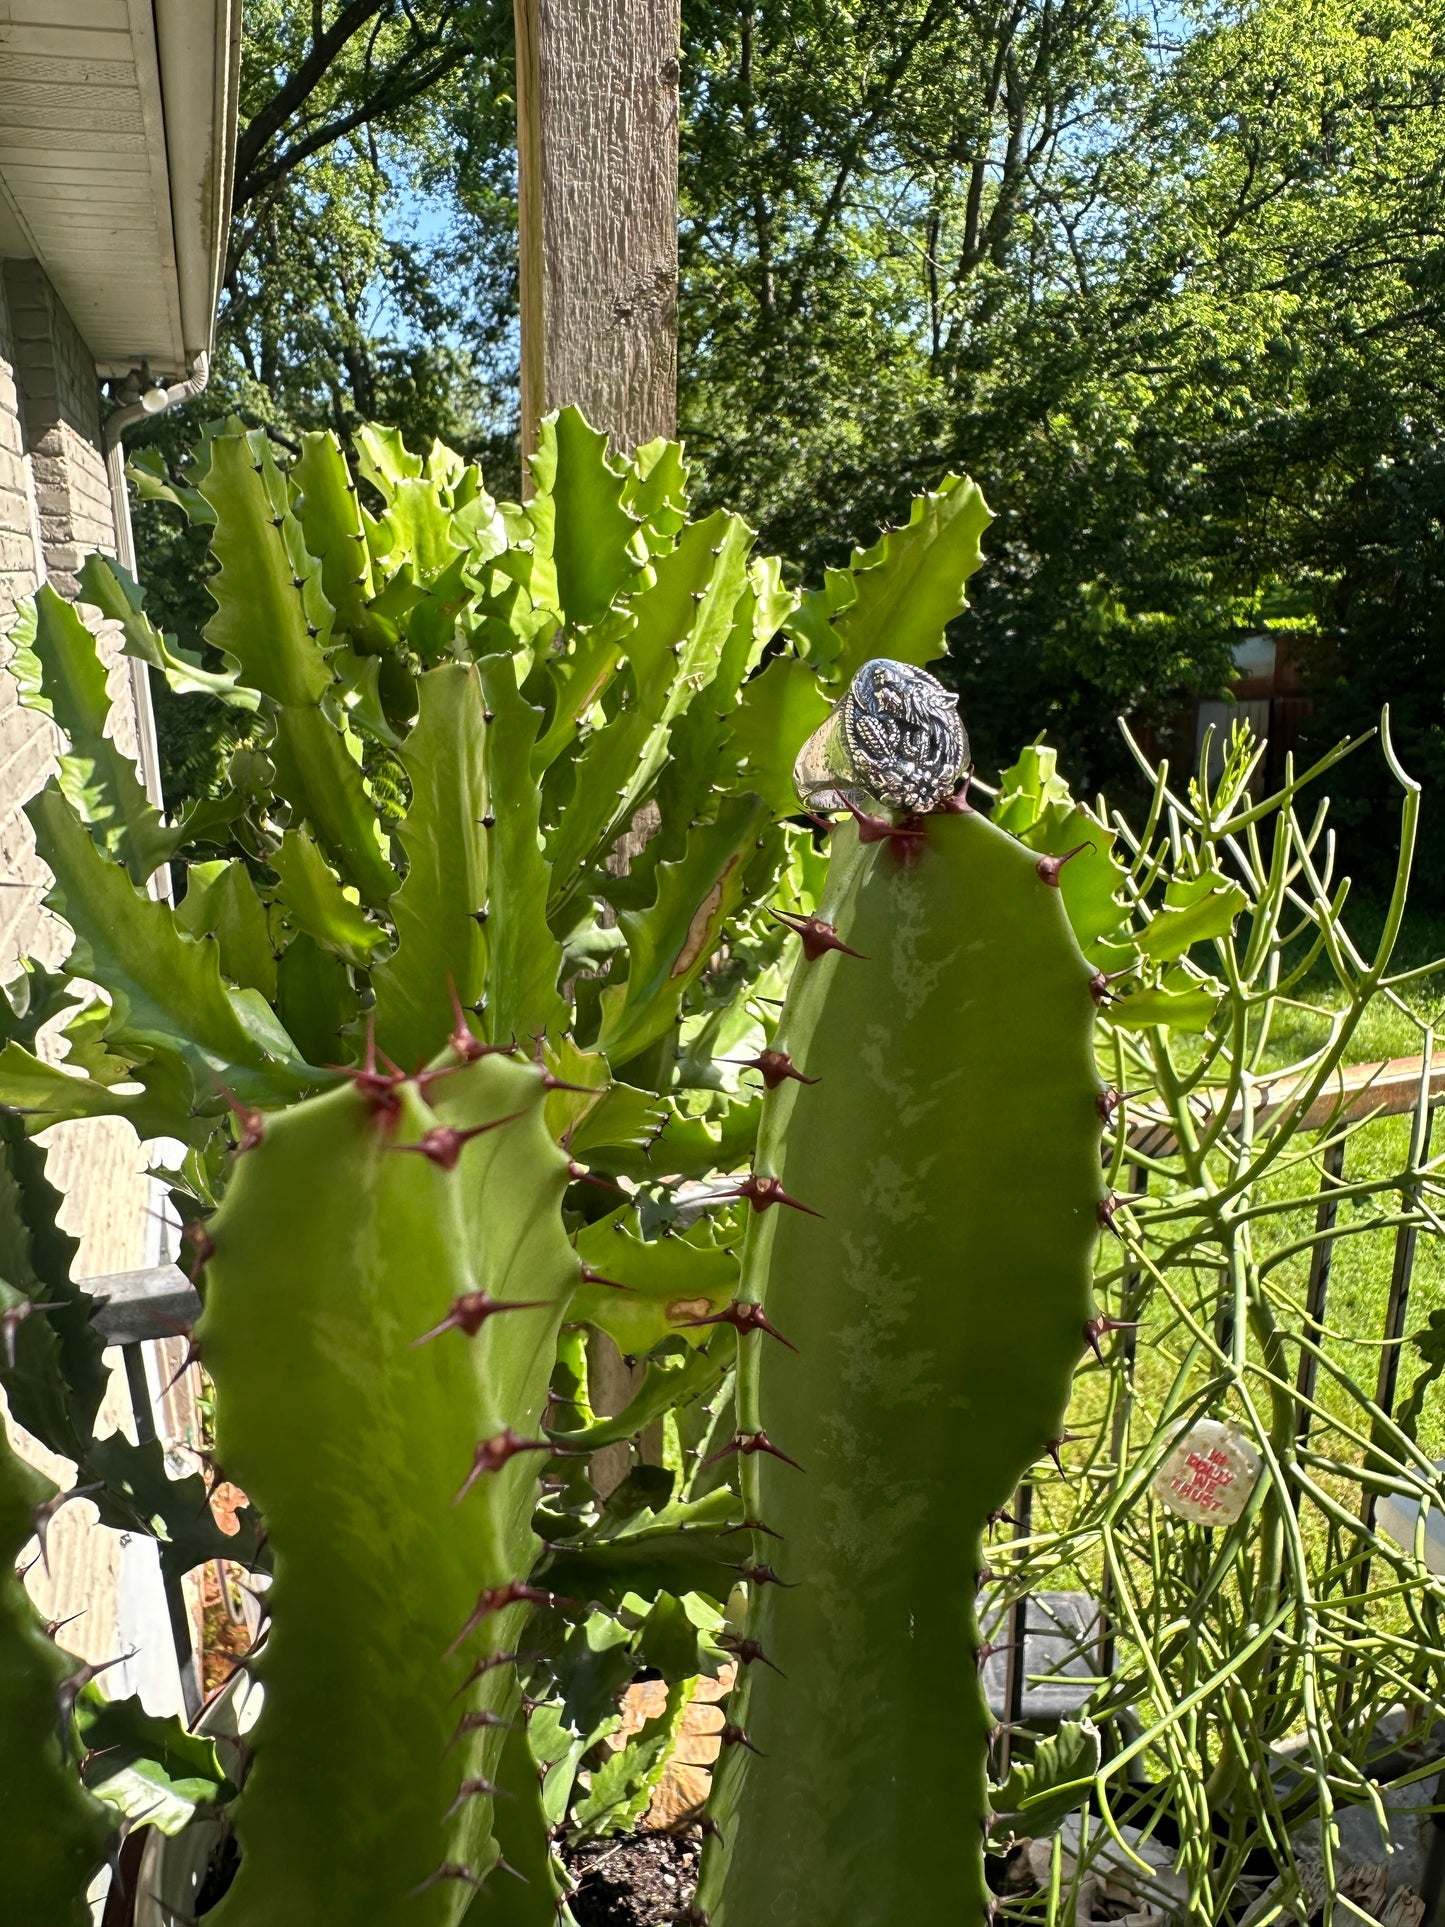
{"x": 252, "y": 1122}
{"x": 70, "y": 1688}
{"x": 749, "y": 1650}
{"x": 733, "y": 1735}
{"x": 448, "y": 1870}
{"x": 750, "y": 1525}
{"x": 591, "y": 1277}
{"x": 443, "y": 1144}
{"x": 579, "y": 1174}
{"x": 492, "y": 1454}
{"x": 1003, "y": 1517}
{"x": 1106, "y": 1209}
{"x": 474, "y": 1722}
{"x": 202, "y": 1245}
{"x": 1099, "y": 983}
{"x": 745, "y": 1444}
{"x": 1097, "y": 1328}
{"x": 379, "y": 1088}
{"x": 192, "y": 1357}
{"x": 43, "y": 1513}
{"x": 816, "y": 935}
{"x": 877, "y": 829}
{"x": 489, "y": 1663}
{"x": 463, "y": 1041}
{"x": 744, "y": 1317}
{"x": 12, "y": 1320}
{"x": 763, "y": 1575}
{"x": 472, "y": 1310}
{"x": 53, "y": 1626}
{"x": 1064, "y": 1438}
{"x": 762, "y": 1193}
{"x": 988, "y": 1650}
{"x": 1051, "y": 867}
{"x": 496, "y": 1599}
{"x": 775, "y": 1065}
{"x": 470, "y": 1789}
{"x": 709, "y": 1829}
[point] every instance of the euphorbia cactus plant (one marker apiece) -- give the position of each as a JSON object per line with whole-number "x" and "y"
{"x": 410, "y": 1024}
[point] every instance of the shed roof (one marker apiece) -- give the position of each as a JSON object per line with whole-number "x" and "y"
{"x": 117, "y": 137}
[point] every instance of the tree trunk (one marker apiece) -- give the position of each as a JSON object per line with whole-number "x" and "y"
{"x": 597, "y": 213}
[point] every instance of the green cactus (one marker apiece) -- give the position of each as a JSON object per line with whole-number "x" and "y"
{"x": 59, "y": 1832}
{"x": 397, "y": 1472}
{"x": 925, "y": 1214}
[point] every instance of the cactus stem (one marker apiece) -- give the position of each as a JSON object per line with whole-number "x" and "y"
{"x": 744, "y": 1317}
{"x": 448, "y": 1870}
{"x": 774, "y": 1065}
{"x": 816, "y": 936}
{"x": 492, "y": 1454}
{"x": 749, "y": 1650}
{"x": 495, "y": 1599}
{"x": 1050, "y": 868}
{"x": 13, "y": 1320}
{"x": 745, "y": 1444}
{"x": 731, "y": 1734}
{"x": 473, "y": 1722}
{"x": 469, "y": 1790}
{"x": 443, "y": 1144}
{"x": 1098, "y": 1328}
{"x": 763, "y": 1575}
{"x": 471, "y": 1311}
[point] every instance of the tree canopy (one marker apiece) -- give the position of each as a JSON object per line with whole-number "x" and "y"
{"x": 1168, "y": 284}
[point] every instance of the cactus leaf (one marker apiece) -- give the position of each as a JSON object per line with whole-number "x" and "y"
{"x": 524, "y": 959}
{"x": 221, "y": 902}
{"x": 440, "y": 941}
{"x": 1178, "y": 1002}
{"x": 60, "y": 674}
{"x": 56, "y": 1831}
{"x": 147, "y": 475}
{"x": 330, "y": 516}
{"x": 1040, "y": 1793}
{"x": 120, "y": 598}
{"x": 165, "y": 988}
{"x": 1193, "y": 911}
{"x": 666, "y": 1280}
{"x": 670, "y": 944}
{"x": 779, "y": 711}
{"x": 316, "y": 903}
{"x": 909, "y": 585}
{"x": 145, "y": 1766}
{"x": 312, "y": 1312}
{"x": 681, "y": 1547}
{"x": 581, "y": 523}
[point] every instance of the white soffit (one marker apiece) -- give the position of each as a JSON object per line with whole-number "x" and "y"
{"x": 117, "y": 131}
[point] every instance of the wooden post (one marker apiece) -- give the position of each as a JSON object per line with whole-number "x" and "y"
{"x": 597, "y": 213}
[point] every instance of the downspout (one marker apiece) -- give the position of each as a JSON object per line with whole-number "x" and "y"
{"x": 147, "y": 748}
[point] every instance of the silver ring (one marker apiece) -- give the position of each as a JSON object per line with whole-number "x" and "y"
{"x": 894, "y": 739}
